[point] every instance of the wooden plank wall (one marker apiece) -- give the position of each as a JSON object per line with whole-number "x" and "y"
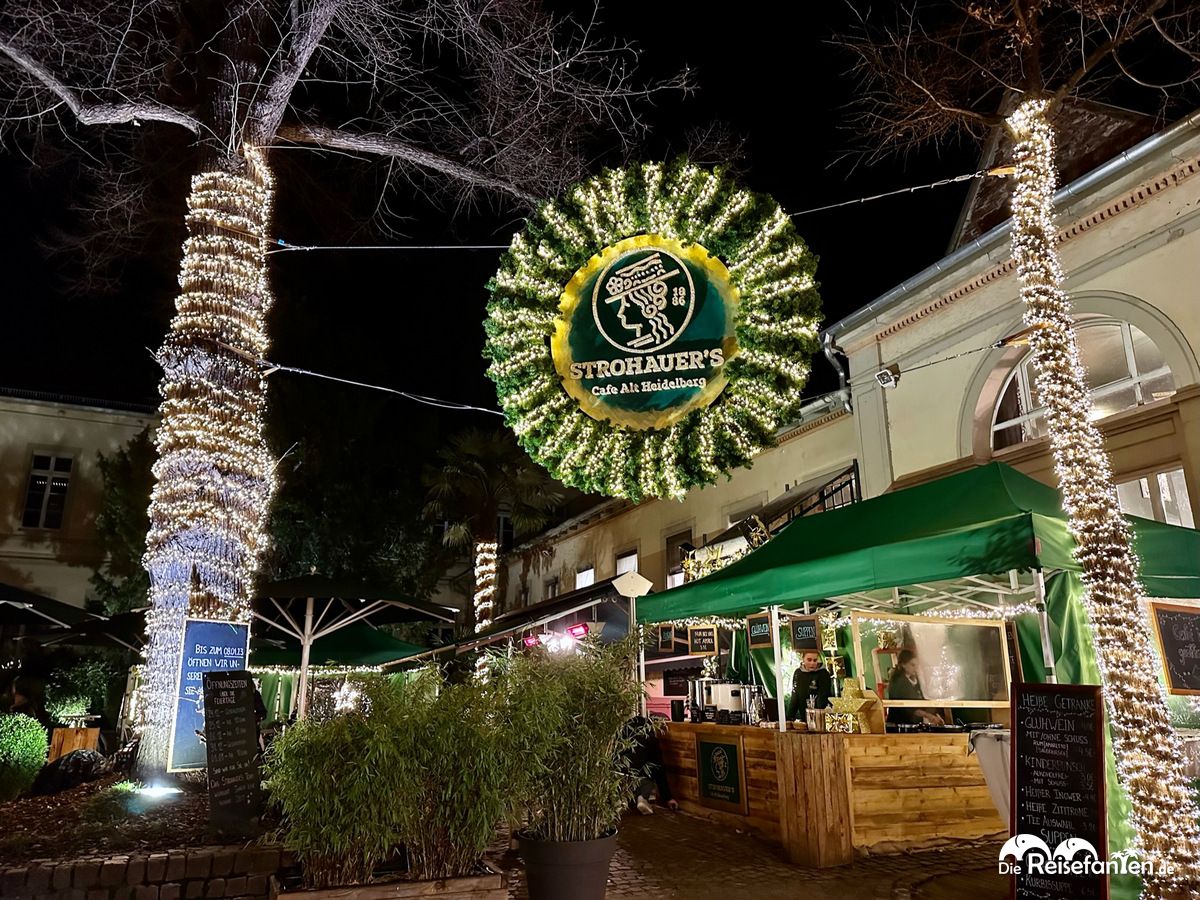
{"x": 815, "y": 825}
{"x": 910, "y": 789}
{"x": 678, "y": 745}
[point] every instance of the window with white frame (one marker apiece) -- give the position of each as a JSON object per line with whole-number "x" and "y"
{"x": 585, "y": 577}
{"x": 1162, "y": 496}
{"x": 627, "y": 562}
{"x": 46, "y": 491}
{"x": 1124, "y": 369}
{"x": 551, "y": 588}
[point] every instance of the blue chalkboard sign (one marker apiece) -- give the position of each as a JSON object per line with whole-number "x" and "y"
{"x": 208, "y": 646}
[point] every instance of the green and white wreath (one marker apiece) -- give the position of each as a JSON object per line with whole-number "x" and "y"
{"x": 776, "y": 328}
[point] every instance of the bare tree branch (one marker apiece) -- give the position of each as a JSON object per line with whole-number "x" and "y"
{"x": 942, "y": 68}
{"x": 385, "y": 145}
{"x": 1124, "y": 32}
{"x": 307, "y": 37}
{"x": 97, "y": 113}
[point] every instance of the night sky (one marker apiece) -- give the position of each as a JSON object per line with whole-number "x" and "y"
{"x": 412, "y": 319}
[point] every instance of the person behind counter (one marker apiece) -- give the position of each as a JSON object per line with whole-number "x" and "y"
{"x": 812, "y": 682}
{"x": 905, "y": 684}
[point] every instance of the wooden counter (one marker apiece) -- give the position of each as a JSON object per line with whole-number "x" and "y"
{"x": 826, "y": 796}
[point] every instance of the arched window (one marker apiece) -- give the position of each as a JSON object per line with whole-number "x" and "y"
{"x": 1124, "y": 369}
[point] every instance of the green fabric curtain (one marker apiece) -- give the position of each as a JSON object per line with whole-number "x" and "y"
{"x": 983, "y": 521}
{"x": 278, "y": 693}
{"x": 762, "y": 660}
{"x": 1075, "y": 663}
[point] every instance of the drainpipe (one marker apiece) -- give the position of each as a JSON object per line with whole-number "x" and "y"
{"x": 830, "y": 348}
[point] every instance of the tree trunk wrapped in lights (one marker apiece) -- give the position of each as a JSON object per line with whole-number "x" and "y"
{"x": 485, "y": 583}
{"x": 1147, "y": 749}
{"x": 214, "y": 475}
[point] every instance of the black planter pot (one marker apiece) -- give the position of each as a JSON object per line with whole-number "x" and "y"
{"x": 567, "y": 870}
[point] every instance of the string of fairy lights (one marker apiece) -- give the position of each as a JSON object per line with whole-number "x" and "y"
{"x": 214, "y": 475}
{"x": 1148, "y": 752}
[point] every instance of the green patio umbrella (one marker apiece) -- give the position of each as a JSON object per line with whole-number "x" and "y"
{"x": 357, "y": 644}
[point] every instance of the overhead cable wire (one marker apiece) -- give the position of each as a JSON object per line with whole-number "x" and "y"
{"x": 999, "y": 171}
{"x": 269, "y": 367}
{"x": 436, "y": 402}
{"x": 282, "y": 246}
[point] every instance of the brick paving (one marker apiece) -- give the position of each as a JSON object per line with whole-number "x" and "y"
{"x": 675, "y": 855}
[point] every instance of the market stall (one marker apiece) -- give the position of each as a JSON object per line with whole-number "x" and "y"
{"x": 988, "y": 548}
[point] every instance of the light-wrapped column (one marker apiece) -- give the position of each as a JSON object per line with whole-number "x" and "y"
{"x": 485, "y": 583}
{"x": 1147, "y": 750}
{"x": 214, "y": 475}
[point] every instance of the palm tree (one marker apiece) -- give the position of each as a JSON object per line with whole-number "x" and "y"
{"x": 484, "y": 475}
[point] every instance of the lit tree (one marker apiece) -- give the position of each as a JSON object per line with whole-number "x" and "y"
{"x": 482, "y": 476}
{"x": 947, "y": 67}
{"x": 480, "y": 95}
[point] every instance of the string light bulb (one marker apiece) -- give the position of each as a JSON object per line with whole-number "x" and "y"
{"x": 214, "y": 476}
{"x": 1149, "y": 754}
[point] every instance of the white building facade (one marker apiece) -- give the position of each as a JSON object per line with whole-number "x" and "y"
{"x": 51, "y": 488}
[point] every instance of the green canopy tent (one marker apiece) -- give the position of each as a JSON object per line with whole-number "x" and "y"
{"x": 355, "y": 645}
{"x": 986, "y": 521}
{"x": 988, "y": 538}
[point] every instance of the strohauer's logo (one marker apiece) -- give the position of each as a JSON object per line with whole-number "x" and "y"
{"x": 644, "y": 332}
{"x": 718, "y": 764}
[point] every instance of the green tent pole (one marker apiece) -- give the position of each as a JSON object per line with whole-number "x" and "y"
{"x": 1039, "y": 585}
{"x": 777, "y": 650}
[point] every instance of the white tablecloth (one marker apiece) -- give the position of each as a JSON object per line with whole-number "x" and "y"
{"x": 994, "y": 749}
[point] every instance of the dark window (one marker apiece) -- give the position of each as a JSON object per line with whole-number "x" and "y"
{"x": 46, "y": 493}
{"x": 551, "y": 588}
{"x": 674, "y": 557}
{"x": 504, "y": 532}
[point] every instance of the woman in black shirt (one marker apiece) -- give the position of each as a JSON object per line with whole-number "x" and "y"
{"x": 811, "y": 680}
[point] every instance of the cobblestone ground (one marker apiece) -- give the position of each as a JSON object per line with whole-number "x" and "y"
{"x": 675, "y": 855}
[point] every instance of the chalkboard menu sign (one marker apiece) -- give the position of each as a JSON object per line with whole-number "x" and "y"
{"x": 675, "y": 684}
{"x": 758, "y": 631}
{"x": 666, "y": 638}
{"x": 806, "y": 633}
{"x": 1058, "y": 799}
{"x": 1178, "y": 630}
{"x": 231, "y": 732}
{"x": 721, "y": 773}
{"x": 702, "y": 640}
{"x": 208, "y": 646}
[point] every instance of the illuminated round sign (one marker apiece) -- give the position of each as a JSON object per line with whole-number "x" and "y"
{"x": 644, "y": 332}
{"x": 650, "y": 330}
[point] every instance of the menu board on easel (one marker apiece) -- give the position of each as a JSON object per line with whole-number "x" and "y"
{"x": 1178, "y": 631}
{"x": 231, "y": 736}
{"x": 1058, "y": 791}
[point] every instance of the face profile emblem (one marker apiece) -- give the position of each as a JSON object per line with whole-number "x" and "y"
{"x": 719, "y": 764}
{"x": 643, "y": 300}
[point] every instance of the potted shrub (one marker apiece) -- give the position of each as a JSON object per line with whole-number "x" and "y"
{"x": 581, "y": 784}
{"x": 23, "y": 748}
{"x": 419, "y": 773}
